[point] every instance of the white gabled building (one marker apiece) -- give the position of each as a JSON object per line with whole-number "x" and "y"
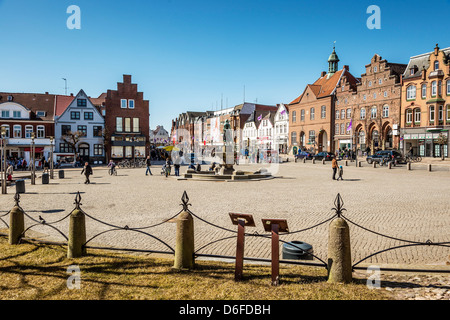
{"x": 281, "y": 130}
{"x": 82, "y": 117}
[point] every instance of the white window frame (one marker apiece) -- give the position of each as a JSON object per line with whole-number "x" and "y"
{"x": 432, "y": 114}
{"x": 424, "y": 91}
{"x": 434, "y": 88}
{"x": 373, "y": 112}
{"x": 40, "y": 130}
{"x": 28, "y": 131}
{"x": 417, "y": 115}
{"x": 312, "y": 114}
{"x": 131, "y": 104}
{"x": 409, "y": 116}
{"x": 323, "y": 112}
{"x": 20, "y": 131}
{"x": 448, "y": 87}
{"x": 7, "y": 130}
{"x": 362, "y": 114}
{"x": 386, "y": 111}
{"x": 411, "y": 93}
{"x": 123, "y": 103}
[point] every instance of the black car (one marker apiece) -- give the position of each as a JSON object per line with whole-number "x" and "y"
{"x": 385, "y": 155}
{"x": 328, "y": 156}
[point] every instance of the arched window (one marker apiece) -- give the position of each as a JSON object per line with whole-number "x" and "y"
{"x": 424, "y": 91}
{"x": 411, "y": 92}
{"x": 373, "y": 112}
{"x": 293, "y": 137}
{"x": 363, "y": 114}
{"x": 417, "y": 115}
{"x": 294, "y": 116}
{"x": 386, "y": 111}
{"x": 28, "y": 131}
{"x": 433, "y": 88}
{"x": 17, "y": 131}
{"x": 6, "y": 130}
{"x": 409, "y": 116}
{"x": 324, "y": 112}
{"x": 432, "y": 114}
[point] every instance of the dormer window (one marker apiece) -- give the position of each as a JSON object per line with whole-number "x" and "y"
{"x": 17, "y": 114}
{"x": 41, "y": 114}
{"x": 5, "y": 113}
{"x": 436, "y": 65}
{"x": 412, "y": 72}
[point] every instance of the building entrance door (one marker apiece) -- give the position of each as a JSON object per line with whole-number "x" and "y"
{"x": 84, "y": 152}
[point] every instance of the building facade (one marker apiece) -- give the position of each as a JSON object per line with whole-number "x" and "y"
{"x": 127, "y": 117}
{"x": 367, "y": 115}
{"x": 425, "y": 112}
{"x": 281, "y": 130}
{"x": 27, "y": 118}
{"x": 311, "y": 115}
{"x": 79, "y": 130}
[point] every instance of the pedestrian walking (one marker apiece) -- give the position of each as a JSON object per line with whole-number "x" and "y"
{"x": 341, "y": 173}
{"x": 9, "y": 172}
{"x": 334, "y": 166}
{"x": 148, "y": 163}
{"x": 87, "y": 170}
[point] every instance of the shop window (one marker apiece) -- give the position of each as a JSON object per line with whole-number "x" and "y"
{"x": 117, "y": 152}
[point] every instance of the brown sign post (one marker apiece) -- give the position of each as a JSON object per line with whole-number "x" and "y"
{"x": 275, "y": 226}
{"x": 242, "y": 221}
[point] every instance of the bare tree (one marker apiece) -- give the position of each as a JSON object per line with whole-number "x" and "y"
{"x": 73, "y": 138}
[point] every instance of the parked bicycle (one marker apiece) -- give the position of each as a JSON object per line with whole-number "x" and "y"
{"x": 413, "y": 158}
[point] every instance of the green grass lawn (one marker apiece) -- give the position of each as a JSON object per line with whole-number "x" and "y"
{"x": 39, "y": 272}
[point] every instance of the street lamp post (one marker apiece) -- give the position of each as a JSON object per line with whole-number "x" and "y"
{"x": 51, "y": 158}
{"x": 3, "y": 161}
{"x": 33, "y": 169}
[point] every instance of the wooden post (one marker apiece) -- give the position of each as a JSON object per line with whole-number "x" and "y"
{"x": 275, "y": 255}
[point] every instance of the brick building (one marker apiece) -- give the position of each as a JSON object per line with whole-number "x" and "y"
{"x": 371, "y": 106}
{"x": 425, "y": 112}
{"x": 127, "y": 119}
{"x": 25, "y": 114}
{"x": 311, "y": 115}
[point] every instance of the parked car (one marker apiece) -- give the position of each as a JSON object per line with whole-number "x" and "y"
{"x": 381, "y": 156}
{"x": 304, "y": 155}
{"x": 328, "y": 156}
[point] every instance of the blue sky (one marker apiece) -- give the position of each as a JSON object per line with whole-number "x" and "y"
{"x": 198, "y": 55}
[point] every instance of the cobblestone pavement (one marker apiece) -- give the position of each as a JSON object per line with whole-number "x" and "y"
{"x": 404, "y": 205}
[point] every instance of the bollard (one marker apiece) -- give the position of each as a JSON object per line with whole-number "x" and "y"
{"x": 77, "y": 234}
{"x": 295, "y": 159}
{"x": 429, "y": 167}
{"x": 314, "y": 160}
{"x": 346, "y": 163}
{"x": 408, "y": 166}
{"x": 304, "y": 160}
{"x": 323, "y": 161}
{"x": 339, "y": 252}
{"x": 390, "y": 165}
{"x": 61, "y": 174}
{"x": 20, "y": 186}
{"x": 45, "y": 178}
{"x": 374, "y": 164}
{"x": 184, "y": 248}
{"x": 359, "y": 164}
{"x": 16, "y": 225}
